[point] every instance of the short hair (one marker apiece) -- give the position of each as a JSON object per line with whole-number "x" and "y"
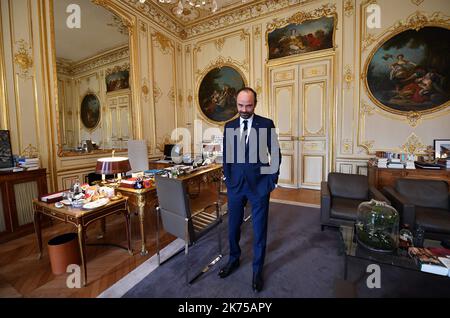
{"x": 248, "y": 90}
{"x": 400, "y": 55}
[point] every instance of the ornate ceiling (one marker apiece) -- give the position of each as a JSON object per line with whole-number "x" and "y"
{"x": 196, "y": 22}
{"x": 192, "y": 15}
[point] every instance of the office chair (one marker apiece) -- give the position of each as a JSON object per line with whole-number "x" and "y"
{"x": 178, "y": 219}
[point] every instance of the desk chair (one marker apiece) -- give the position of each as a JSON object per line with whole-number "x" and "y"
{"x": 178, "y": 219}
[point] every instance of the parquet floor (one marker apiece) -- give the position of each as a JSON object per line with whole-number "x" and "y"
{"x": 23, "y": 275}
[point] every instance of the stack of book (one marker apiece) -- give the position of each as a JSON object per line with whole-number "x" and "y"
{"x": 382, "y": 162}
{"x": 395, "y": 163}
{"x": 432, "y": 260}
{"x": 29, "y": 163}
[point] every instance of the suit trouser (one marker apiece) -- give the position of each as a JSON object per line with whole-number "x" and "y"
{"x": 260, "y": 209}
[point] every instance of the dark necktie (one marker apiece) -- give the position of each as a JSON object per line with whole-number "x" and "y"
{"x": 244, "y": 132}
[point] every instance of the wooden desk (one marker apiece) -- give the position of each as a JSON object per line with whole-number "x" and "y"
{"x": 140, "y": 199}
{"x": 146, "y": 199}
{"x": 382, "y": 177}
{"x": 80, "y": 219}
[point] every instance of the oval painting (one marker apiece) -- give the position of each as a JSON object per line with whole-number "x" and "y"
{"x": 217, "y": 93}
{"x": 411, "y": 71}
{"x": 90, "y": 111}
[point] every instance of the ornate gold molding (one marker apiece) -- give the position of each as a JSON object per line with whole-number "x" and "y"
{"x": 122, "y": 26}
{"x": 413, "y": 145}
{"x": 143, "y": 27}
{"x": 413, "y": 118}
{"x": 368, "y": 40}
{"x": 347, "y": 146}
{"x": 180, "y": 98}
{"x": 157, "y": 93}
{"x": 145, "y": 90}
{"x": 117, "y": 68}
{"x": 258, "y": 88}
{"x": 299, "y": 17}
{"x": 23, "y": 57}
{"x": 348, "y": 8}
{"x": 172, "y": 95}
{"x": 367, "y": 145}
{"x": 30, "y": 152}
{"x": 257, "y": 32}
{"x": 221, "y": 62}
{"x": 162, "y": 42}
{"x": 417, "y": 2}
{"x": 105, "y": 58}
{"x": 250, "y": 11}
{"x": 348, "y": 76}
{"x": 219, "y": 43}
{"x": 367, "y": 110}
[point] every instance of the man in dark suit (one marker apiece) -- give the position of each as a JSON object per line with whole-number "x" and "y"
{"x": 250, "y": 176}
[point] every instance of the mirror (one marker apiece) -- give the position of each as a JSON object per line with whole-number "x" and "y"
{"x": 92, "y": 55}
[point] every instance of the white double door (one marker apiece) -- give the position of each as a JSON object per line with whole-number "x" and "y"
{"x": 300, "y": 103}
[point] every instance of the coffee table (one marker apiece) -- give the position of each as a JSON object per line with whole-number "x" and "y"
{"x": 398, "y": 258}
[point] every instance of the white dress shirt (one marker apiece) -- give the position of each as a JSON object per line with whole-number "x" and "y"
{"x": 249, "y": 125}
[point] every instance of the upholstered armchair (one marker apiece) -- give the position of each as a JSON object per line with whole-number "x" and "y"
{"x": 341, "y": 196}
{"x": 424, "y": 203}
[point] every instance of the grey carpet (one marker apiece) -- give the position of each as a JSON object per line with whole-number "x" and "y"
{"x": 301, "y": 261}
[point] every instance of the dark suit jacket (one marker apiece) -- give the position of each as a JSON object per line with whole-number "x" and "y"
{"x": 251, "y": 165}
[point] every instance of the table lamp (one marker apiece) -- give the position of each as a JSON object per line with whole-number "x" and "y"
{"x": 113, "y": 165}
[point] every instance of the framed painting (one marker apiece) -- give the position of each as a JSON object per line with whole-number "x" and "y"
{"x": 90, "y": 111}
{"x": 410, "y": 71}
{"x": 442, "y": 148}
{"x": 117, "y": 80}
{"x": 6, "y": 156}
{"x": 300, "y": 37}
{"x": 217, "y": 93}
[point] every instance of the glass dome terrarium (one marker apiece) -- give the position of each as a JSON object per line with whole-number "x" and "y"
{"x": 377, "y": 226}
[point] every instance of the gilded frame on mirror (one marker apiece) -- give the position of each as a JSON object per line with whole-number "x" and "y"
{"x": 129, "y": 22}
{"x": 216, "y": 92}
{"x": 408, "y": 71}
{"x": 302, "y": 33}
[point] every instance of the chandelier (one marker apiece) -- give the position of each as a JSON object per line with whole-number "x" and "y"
{"x": 212, "y": 4}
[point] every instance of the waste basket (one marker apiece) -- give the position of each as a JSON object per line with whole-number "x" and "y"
{"x": 63, "y": 250}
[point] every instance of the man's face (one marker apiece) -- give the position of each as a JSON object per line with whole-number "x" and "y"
{"x": 245, "y": 104}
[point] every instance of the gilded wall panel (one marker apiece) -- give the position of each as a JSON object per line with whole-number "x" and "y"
{"x": 313, "y": 170}
{"x": 284, "y": 99}
{"x": 314, "y": 106}
{"x": 165, "y": 79}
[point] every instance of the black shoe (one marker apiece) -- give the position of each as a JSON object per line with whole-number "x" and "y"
{"x": 228, "y": 269}
{"x": 258, "y": 282}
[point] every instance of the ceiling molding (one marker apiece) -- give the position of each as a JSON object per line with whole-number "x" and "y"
{"x": 228, "y": 17}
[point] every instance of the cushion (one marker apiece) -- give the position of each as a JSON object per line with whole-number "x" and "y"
{"x": 433, "y": 220}
{"x": 352, "y": 186}
{"x": 346, "y": 209}
{"x": 424, "y": 193}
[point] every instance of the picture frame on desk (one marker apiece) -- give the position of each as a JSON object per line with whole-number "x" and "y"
{"x": 441, "y": 148}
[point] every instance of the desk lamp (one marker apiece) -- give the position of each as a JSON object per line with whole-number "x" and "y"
{"x": 113, "y": 165}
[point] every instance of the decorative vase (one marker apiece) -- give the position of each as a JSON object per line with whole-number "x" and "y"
{"x": 377, "y": 226}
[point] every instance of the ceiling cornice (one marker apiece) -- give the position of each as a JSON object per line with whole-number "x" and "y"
{"x": 230, "y": 17}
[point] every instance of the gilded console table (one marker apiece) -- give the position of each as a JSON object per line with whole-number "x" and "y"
{"x": 80, "y": 219}
{"x": 140, "y": 199}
